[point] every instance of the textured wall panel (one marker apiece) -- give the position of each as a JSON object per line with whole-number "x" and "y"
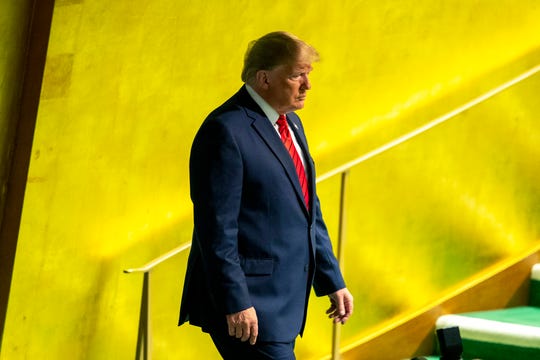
{"x": 108, "y": 184}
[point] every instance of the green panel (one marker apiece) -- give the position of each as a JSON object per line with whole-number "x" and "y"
{"x": 522, "y": 315}
{"x": 492, "y": 351}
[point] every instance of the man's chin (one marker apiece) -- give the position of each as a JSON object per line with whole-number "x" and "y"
{"x": 299, "y": 104}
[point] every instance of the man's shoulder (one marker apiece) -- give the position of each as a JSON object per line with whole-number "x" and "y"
{"x": 226, "y": 110}
{"x": 235, "y": 110}
{"x": 228, "y": 116}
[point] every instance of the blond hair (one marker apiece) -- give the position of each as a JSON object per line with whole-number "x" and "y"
{"x": 274, "y": 49}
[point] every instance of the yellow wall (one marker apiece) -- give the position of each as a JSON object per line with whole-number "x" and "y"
{"x": 437, "y": 210}
{"x": 126, "y": 86}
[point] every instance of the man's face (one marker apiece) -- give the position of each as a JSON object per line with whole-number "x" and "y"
{"x": 287, "y": 86}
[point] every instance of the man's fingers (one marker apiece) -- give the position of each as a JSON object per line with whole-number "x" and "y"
{"x": 254, "y": 334}
{"x": 239, "y": 332}
{"x": 347, "y": 309}
{"x": 331, "y": 309}
{"x": 232, "y": 329}
{"x": 341, "y": 306}
{"x": 243, "y": 325}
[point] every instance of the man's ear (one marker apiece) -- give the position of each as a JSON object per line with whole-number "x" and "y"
{"x": 261, "y": 78}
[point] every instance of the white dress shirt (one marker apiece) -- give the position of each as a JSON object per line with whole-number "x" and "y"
{"x": 273, "y": 116}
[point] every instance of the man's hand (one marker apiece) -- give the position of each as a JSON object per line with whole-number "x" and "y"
{"x": 244, "y": 325}
{"x": 341, "y": 307}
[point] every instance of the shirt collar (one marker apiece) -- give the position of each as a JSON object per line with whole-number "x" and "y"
{"x": 269, "y": 111}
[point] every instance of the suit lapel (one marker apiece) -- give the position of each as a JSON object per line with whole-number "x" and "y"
{"x": 261, "y": 124}
{"x": 264, "y": 128}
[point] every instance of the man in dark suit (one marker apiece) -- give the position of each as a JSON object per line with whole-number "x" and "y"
{"x": 259, "y": 240}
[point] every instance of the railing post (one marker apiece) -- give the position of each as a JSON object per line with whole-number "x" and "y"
{"x": 336, "y": 333}
{"x": 143, "y": 338}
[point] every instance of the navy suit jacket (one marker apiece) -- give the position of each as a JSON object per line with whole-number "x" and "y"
{"x": 254, "y": 241}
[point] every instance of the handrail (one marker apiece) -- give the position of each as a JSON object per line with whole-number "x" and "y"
{"x": 375, "y": 152}
{"x": 149, "y": 266}
{"x": 143, "y": 342}
{"x": 430, "y": 125}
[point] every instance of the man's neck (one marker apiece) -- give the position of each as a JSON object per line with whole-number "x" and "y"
{"x": 268, "y": 110}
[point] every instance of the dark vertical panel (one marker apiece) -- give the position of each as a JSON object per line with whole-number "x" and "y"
{"x": 39, "y": 23}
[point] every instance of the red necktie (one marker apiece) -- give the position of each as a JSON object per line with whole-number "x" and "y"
{"x": 289, "y": 144}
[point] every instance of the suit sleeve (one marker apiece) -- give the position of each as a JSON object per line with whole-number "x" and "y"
{"x": 216, "y": 191}
{"x": 328, "y": 278}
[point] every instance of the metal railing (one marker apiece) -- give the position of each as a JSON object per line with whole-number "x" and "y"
{"x": 144, "y": 338}
{"x": 144, "y": 334}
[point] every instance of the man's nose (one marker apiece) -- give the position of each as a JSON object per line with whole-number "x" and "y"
{"x": 306, "y": 83}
